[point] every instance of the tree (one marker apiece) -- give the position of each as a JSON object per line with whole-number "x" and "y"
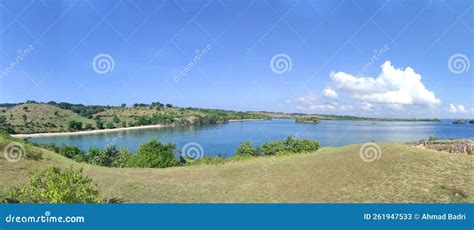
{"x": 3, "y": 120}
{"x": 271, "y": 148}
{"x": 89, "y": 126}
{"x": 25, "y": 117}
{"x": 54, "y": 185}
{"x": 109, "y": 125}
{"x": 156, "y": 155}
{"x": 4, "y": 126}
{"x": 123, "y": 159}
{"x": 116, "y": 119}
{"x": 99, "y": 124}
{"x": 294, "y": 145}
{"x": 106, "y": 157}
{"x": 246, "y": 149}
{"x": 75, "y": 125}
{"x": 123, "y": 105}
{"x": 70, "y": 151}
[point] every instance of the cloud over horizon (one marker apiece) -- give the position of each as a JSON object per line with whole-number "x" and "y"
{"x": 393, "y": 87}
{"x": 457, "y": 108}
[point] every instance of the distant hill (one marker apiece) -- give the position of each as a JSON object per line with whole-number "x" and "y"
{"x": 37, "y": 117}
{"x": 338, "y": 117}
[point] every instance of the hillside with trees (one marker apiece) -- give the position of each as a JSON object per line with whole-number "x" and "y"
{"x": 37, "y": 117}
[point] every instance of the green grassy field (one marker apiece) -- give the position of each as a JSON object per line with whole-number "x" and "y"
{"x": 403, "y": 174}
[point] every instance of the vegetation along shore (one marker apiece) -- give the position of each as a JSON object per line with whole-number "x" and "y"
{"x": 46, "y": 119}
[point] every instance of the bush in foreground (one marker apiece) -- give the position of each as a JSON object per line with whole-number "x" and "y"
{"x": 297, "y": 146}
{"x": 158, "y": 155}
{"x": 54, "y": 185}
{"x": 155, "y": 155}
{"x": 246, "y": 149}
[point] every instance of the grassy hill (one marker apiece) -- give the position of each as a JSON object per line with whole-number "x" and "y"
{"x": 402, "y": 174}
{"x": 36, "y": 118}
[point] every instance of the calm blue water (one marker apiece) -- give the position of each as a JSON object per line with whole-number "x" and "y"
{"x": 224, "y": 138}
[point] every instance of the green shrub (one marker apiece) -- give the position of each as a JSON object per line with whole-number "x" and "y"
{"x": 294, "y": 145}
{"x": 433, "y": 138}
{"x": 70, "y": 151}
{"x": 105, "y": 157}
{"x": 271, "y": 148}
{"x": 89, "y": 127}
{"x": 155, "y": 155}
{"x": 307, "y": 145}
{"x": 109, "y": 125}
{"x": 123, "y": 159}
{"x": 99, "y": 124}
{"x": 246, "y": 149}
{"x": 54, "y": 185}
{"x": 75, "y": 125}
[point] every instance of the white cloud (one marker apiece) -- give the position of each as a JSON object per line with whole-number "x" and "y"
{"x": 393, "y": 87}
{"x": 366, "y": 106}
{"x": 457, "y": 108}
{"x": 310, "y": 102}
{"x": 308, "y": 99}
{"x": 329, "y": 93}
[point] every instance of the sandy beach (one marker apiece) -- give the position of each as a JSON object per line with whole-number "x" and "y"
{"x": 85, "y": 132}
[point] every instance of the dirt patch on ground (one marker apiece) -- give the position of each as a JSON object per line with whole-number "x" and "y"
{"x": 451, "y": 146}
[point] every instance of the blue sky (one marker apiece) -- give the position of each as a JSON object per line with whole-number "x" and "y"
{"x": 287, "y": 56}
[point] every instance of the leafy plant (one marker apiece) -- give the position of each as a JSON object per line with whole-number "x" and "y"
{"x": 123, "y": 159}
{"x": 54, "y": 185}
{"x": 105, "y": 157}
{"x": 296, "y": 146}
{"x": 155, "y": 155}
{"x": 75, "y": 125}
{"x": 246, "y": 149}
{"x": 271, "y": 148}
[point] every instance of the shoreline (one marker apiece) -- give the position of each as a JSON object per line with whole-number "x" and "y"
{"x": 239, "y": 120}
{"x": 97, "y": 131}
{"x": 86, "y": 132}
